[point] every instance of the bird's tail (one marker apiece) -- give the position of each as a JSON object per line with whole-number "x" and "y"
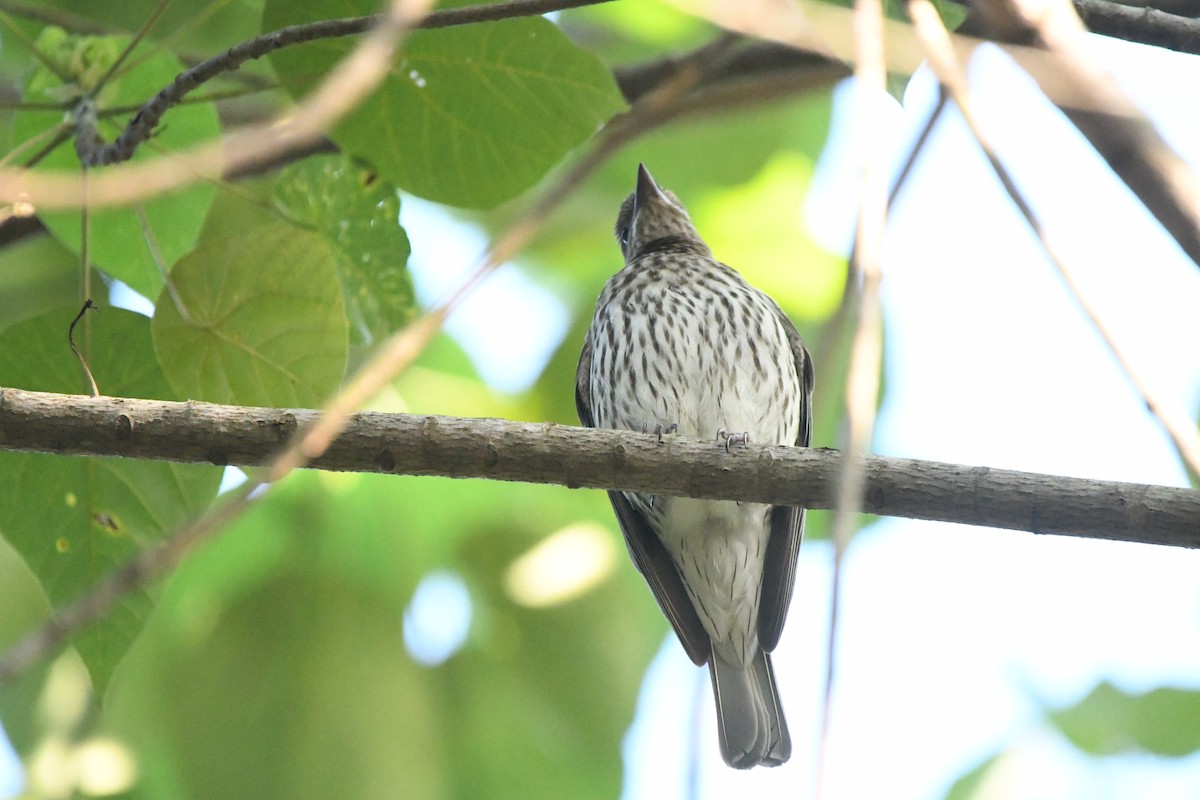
{"x": 750, "y": 721}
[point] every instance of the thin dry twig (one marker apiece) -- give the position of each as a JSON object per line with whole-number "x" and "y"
{"x": 1171, "y": 416}
{"x": 160, "y": 263}
{"x": 87, "y": 304}
{"x": 134, "y": 41}
{"x": 866, "y": 353}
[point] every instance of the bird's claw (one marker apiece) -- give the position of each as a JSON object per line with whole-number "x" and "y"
{"x": 741, "y": 439}
{"x": 660, "y": 430}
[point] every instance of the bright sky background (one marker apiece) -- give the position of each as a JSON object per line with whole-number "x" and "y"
{"x": 953, "y": 638}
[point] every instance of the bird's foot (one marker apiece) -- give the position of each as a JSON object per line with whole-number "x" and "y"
{"x": 660, "y": 429}
{"x": 741, "y": 439}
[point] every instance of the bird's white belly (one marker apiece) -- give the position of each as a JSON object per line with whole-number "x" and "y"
{"x": 719, "y": 545}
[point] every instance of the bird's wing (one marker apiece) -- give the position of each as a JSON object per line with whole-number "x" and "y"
{"x": 645, "y": 548}
{"x": 787, "y": 522}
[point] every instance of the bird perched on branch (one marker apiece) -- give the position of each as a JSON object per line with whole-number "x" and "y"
{"x": 682, "y": 343}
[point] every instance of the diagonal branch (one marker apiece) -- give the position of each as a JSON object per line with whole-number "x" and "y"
{"x": 497, "y": 449}
{"x": 1105, "y": 115}
{"x": 866, "y": 342}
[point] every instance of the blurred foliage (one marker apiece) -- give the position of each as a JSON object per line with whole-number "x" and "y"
{"x": 272, "y": 663}
{"x": 1164, "y": 721}
{"x": 980, "y": 783}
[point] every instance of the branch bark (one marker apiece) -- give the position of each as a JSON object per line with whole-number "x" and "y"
{"x": 1147, "y": 25}
{"x": 581, "y": 457}
{"x": 1157, "y": 23}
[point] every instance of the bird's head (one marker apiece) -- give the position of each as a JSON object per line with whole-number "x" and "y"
{"x": 652, "y": 220}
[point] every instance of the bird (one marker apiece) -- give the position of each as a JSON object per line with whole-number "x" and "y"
{"x": 681, "y": 343}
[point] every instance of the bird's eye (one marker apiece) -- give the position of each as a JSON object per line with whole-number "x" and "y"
{"x": 624, "y": 236}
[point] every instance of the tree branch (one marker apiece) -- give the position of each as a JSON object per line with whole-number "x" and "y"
{"x": 584, "y": 457}
{"x": 1157, "y": 23}
{"x": 1149, "y": 26}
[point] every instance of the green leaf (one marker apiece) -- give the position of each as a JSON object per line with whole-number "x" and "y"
{"x": 359, "y": 216}
{"x": 1108, "y": 721}
{"x": 120, "y": 244}
{"x": 264, "y": 323}
{"x": 36, "y": 274}
{"x": 470, "y": 115}
{"x": 73, "y": 519}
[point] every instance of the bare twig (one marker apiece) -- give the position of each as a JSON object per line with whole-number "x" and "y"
{"x": 87, "y": 304}
{"x": 835, "y": 332}
{"x": 752, "y": 63}
{"x": 862, "y": 383}
{"x": 195, "y": 99}
{"x": 47, "y": 142}
{"x": 156, "y": 256}
{"x": 25, "y": 105}
{"x": 134, "y": 41}
{"x": 1171, "y": 416}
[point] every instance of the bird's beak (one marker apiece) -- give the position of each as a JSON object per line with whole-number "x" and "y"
{"x": 647, "y": 189}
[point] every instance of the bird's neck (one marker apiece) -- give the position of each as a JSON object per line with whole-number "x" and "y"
{"x": 674, "y": 244}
